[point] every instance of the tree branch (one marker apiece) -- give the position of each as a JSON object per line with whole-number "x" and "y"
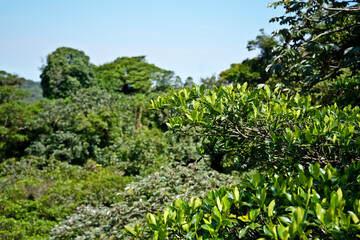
{"x": 334, "y": 31}
{"x": 348, "y": 9}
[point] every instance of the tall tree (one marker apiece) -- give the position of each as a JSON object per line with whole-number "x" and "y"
{"x": 7, "y": 79}
{"x": 9, "y": 90}
{"x": 212, "y": 81}
{"x": 132, "y": 75}
{"x": 253, "y": 70}
{"x": 66, "y": 71}
{"x": 14, "y": 116}
{"x": 322, "y": 39}
{"x": 189, "y": 82}
{"x": 240, "y": 73}
{"x": 267, "y": 45}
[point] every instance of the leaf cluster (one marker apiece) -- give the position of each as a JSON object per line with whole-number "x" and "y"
{"x": 257, "y": 126}
{"x": 304, "y": 203}
{"x": 135, "y": 75}
{"x": 66, "y": 71}
{"x": 322, "y": 39}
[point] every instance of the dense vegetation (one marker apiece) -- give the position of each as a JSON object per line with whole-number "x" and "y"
{"x": 269, "y": 149}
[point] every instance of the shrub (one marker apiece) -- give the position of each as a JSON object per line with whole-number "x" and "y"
{"x": 144, "y": 194}
{"x": 304, "y": 203}
{"x": 261, "y": 127}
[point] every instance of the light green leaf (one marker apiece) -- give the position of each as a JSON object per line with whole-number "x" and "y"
{"x": 354, "y": 217}
{"x": 271, "y": 208}
{"x": 243, "y": 232}
{"x": 166, "y": 214}
{"x": 218, "y": 203}
{"x": 197, "y": 203}
{"x": 151, "y": 218}
{"x": 236, "y": 194}
{"x": 131, "y": 230}
{"x": 267, "y": 90}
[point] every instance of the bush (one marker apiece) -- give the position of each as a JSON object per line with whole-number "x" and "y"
{"x": 261, "y": 127}
{"x": 304, "y": 203}
{"x": 144, "y": 194}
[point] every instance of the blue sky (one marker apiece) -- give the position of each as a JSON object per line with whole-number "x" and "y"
{"x": 195, "y": 38}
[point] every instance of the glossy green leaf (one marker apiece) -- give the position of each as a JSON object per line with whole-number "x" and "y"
{"x": 271, "y": 208}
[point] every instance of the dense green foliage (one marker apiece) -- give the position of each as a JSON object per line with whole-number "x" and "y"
{"x": 133, "y": 74}
{"x": 264, "y": 126}
{"x": 9, "y": 84}
{"x": 313, "y": 203}
{"x": 142, "y": 195}
{"x": 14, "y": 116}
{"x": 36, "y": 193}
{"x": 7, "y": 79}
{"x": 93, "y": 160}
{"x": 321, "y": 40}
{"x": 71, "y": 129}
{"x": 276, "y": 129}
{"x": 66, "y": 71}
{"x": 59, "y": 156}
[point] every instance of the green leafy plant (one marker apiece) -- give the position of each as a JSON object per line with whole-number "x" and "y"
{"x": 133, "y": 75}
{"x": 66, "y": 71}
{"x": 320, "y": 40}
{"x": 144, "y": 194}
{"x": 257, "y": 126}
{"x": 303, "y": 203}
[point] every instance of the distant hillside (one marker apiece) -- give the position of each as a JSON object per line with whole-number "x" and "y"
{"x": 34, "y": 89}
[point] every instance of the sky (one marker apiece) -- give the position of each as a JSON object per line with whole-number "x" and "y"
{"x": 194, "y": 38}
